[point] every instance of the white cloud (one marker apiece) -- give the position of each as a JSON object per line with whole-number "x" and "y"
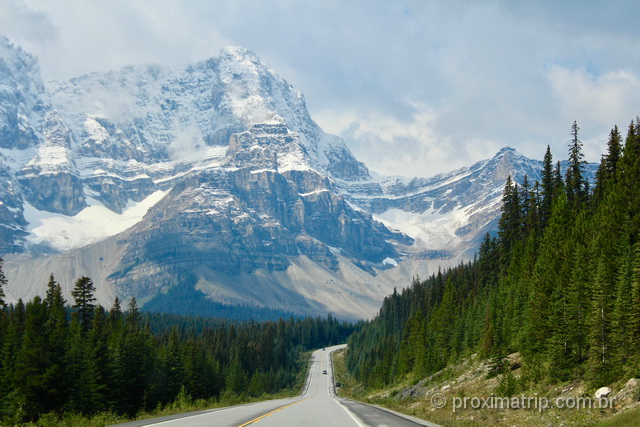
{"x": 600, "y": 99}
{"x": 597, "y": 102}
{"x": 449, "y": 81}
{"x": 32, "y": 28}
{"x": 409, "y": 146}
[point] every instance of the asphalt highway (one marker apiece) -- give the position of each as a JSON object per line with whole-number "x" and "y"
{"x": 316, "y": 406}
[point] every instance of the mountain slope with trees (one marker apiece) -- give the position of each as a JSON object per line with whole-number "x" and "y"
{"x": 560, "y": 283}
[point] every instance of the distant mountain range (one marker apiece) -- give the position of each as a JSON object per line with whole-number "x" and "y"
{"x": 212, "y": 183}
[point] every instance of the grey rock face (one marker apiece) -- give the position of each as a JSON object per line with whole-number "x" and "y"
{"x": 59, "y": 193}
{"x": 254, "y": 188}
{"x": 12, "y": 222}
{"x": 240, "y": 221}
{"x": 22, "y": 98}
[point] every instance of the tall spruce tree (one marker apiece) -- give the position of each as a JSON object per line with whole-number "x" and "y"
{"x": 634, "y": 322}
{"x": 84, "y": 301}
{"x": 3, "y": 283}
{"x": 510, "y": 223}
{"x": 607, "y": 173}
{"x": 548, "y": 188}
{"x": 576, "y": 186}
{"x": 601, "y": 354}
{"x": 56, "y": 334}
{"x": 622, "y": 317}
{"x": 31, "y": 363}
{"x": 628, "y": 193}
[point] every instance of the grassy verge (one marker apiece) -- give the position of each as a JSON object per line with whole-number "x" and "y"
{"x": 625, "y": 419}
{"x": 349, "y": 387}
{"x": 181, "y": 405}
{"x": 468, "y": 381}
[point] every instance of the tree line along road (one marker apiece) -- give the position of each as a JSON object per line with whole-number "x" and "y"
{"x": 318, "y": 405}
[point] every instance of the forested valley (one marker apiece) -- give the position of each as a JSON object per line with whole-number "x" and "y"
{"x": 58, "y": 358}
{"x": 559, "y": 283}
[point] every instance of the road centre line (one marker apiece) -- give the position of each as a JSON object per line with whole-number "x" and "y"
{"x": 255, "y": 420}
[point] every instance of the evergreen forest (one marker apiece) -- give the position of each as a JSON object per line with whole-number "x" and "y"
{"x": 58, "y": 358}
{"x": 559, "y": 283}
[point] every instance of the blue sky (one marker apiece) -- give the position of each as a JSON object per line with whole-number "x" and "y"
{"x": 414, "y": 87}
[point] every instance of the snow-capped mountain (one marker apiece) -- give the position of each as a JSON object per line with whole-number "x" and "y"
{"x": 214, "y": 177}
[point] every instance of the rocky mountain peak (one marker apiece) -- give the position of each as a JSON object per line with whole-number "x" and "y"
{"x": 254, "y": 93}
{"x": 215, "y": 176}
{"x": 22, "y": 100}
{"x": 240, "y": 55}
{"x": 18, "y": 65}
{"x": 508, "y": 162}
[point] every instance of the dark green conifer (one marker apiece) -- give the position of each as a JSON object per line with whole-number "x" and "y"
{"x": 84, "y": 301}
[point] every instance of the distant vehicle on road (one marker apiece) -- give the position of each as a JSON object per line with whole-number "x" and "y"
{"x": 324, "y": 372}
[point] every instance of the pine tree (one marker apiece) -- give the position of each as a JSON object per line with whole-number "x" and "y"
{"x": 578, "y": 294}
{"x": 236, "y": 377}
{"x": 628, "y": 193}
{"x": 256, "y": 386}
{"x": 133, "y": 314}
{"x": 607, "y": 173}
{"x": 56, "y": 335}
{"x": 173, "y": 366}
{"x": 31, "y": 364}
{"x": 634, "y": 322}
{"x": 575, "y": 182}
{"x": 532, "y": 221}
{"x": 548, "y": 188}
{"x": 419, "y": 338}
{"x": 510, "y": 223}
{"x": 79, "y": 396}
{"x": 559, "y": 346}
{"x": 84, "y": 301}
{"x": 12, "y": 400}
{"x": 552, "y": 267}
{"x": 490, "y": 338}
{"x": 115, "y": 315}
{"x": 131, "y": 367}
{"x": 600, "y": 325}
{"x": 97, "y": 362}
{"x": 622, "y": 317}
{"x": 3, "y": 283}
{"x": 198, "y": 373}
{"x": 612, "y": 159}
{"x": 558, "y": 183}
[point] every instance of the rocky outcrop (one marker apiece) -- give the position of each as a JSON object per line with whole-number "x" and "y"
{"x": 22, "y": 98}
{"x": 240, "y": 221}
{"x": 61, "y": 192}
{"x": 12, "y": 223}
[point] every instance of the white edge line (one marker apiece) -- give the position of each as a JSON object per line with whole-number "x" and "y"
{"x": 348, "y": 412}
{"x": 312, "y": 363}
{"x": 334, "y": 396}
{"x": 304, "y": 392}
{"x": 332, "y": 391}
{"x": 179, "y": 419}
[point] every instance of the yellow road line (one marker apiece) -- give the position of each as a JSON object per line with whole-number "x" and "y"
{"x": 255, "y": 420}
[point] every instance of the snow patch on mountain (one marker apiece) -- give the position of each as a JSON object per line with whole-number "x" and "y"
{"x": 430, "y": 229}
{"x": 91, "y": 225}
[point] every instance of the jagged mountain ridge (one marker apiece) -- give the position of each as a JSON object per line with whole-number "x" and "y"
{"x": 214, "y": 176}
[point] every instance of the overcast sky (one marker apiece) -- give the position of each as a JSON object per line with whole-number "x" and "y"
{"x": 414, "y": 87}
